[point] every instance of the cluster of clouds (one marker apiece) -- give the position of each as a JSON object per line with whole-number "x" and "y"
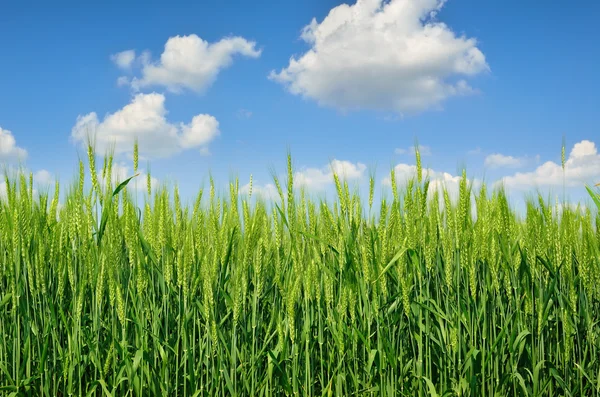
{"x": 314, "y": 179}
{"x": 384, "y": 55}
{"x": 376, "y": 54}
{"x": 186, "y": 63}
{"x": 42, "y": 179}
{"x": 438, "y": 179}
{"x": 319, "y": 178}
{"x": 582, "y": 166}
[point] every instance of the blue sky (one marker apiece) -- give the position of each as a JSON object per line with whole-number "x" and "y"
{"x": 493, "y": 86}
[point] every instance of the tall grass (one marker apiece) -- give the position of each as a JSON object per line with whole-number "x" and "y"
{"x": 233, "y": 296}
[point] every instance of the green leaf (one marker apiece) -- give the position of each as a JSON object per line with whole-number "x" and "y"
{"x": 319, "y": 240}
{"x": 104, "y": 387}
{"x": 137, "y": 359}
{"x": 594, "y": 196}
{"x": 284, "y": 378}
{"x": 394, "y": 259}
{"x": 372, "y": 355}
{"x": 103, "y": 221}
{"x": 146, "y": 249}
{"x": 123, "y": 184}
{"x": 282, "y": 216}
{"x": 6, "y": 299}
{"x": 430, "y": 386}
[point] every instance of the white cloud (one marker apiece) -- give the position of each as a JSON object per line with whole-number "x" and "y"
{"x": 122, "y": 81}
{"x": 498, "y": 160}
{"x": 244, "y": 114}
{"x": 9, "y": 151}
{"x": 438, "y": 179}
{"x": 477, "y": 150}
{"x": 199, "y": 132}
{"x": 144, "y": 118}
{"x": 348, "y": 170}
{"x": 319, "y": 178}
{"x": 424, "y": 150}
{"x": 315, "y": 178}
{"x": 582, "y": 166}
{"x": 384, "y": 55}
{"x": 43, "y": 178}
{"x": 204, "y": 151}
{"x": 575, "y": 207}
{"x": 191, "y": 62}
{"x": 267, "y": 192}
{"x": 123, "y": 59}
{"x": 390, "y": 118}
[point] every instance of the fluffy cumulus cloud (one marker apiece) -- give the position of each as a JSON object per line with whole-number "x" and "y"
{"x": 319, "y": 178}
{"x": 384, "y": 55}
{"x": 187, "y": 62}
{"x": 145, "y": 118}
{"x": 124, "y": 59}
{"x": 9, "y": 151}
{"x": 424, "y": 150}
{"x": 43, "y": 178}
{"x": 582, "y": 166}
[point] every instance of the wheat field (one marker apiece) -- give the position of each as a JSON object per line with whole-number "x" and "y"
{"x": 234, "y": 295}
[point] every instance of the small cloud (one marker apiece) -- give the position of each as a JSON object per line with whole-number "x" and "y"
{"x": 9, "y": 151}
{"x": 123, "y": 59}
{"x": 423, "y": 150}
{"x": 475, "y": 151}
{"x": 43, "y": 178}
{"x": 189, "y": 62}
{"x": 319, "y": 178}
{"x": 390, "y": 118}
{"x": 244, "y": 114}
{"x": 122, "y": 81}
{"x": 3, "y": 191}
{"x": 498, "y": 160}
{"x": 268, "y": 191}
